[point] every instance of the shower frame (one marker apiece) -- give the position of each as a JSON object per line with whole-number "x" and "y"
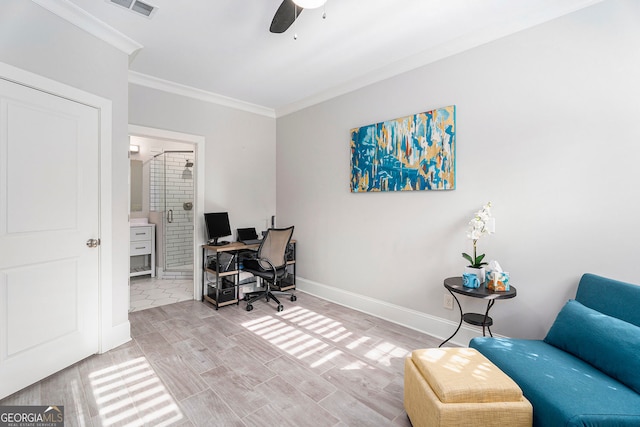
{"x": 177, "y": 209}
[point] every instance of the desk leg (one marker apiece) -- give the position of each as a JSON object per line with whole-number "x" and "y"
{"x": 204, "y": 273}
{"x": 459, "y": 324}
{"x": 486, "y": 316}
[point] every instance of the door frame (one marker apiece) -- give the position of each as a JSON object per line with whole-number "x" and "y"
{"x": 198, "y": 142}
{"x": 109, "y": 335}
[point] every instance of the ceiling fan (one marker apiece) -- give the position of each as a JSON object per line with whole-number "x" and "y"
{"x": 289, "y": 11}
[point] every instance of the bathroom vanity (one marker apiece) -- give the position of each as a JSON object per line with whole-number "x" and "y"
{"x": 142, "y": 250}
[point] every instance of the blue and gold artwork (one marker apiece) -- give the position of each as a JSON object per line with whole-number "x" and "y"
{"x": 410, "y": 153}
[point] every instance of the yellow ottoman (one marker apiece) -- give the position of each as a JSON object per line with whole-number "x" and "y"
{"x": 461, "y": 387}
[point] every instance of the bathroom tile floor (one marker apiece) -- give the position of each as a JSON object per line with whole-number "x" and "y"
{"x": 146, "y": 292}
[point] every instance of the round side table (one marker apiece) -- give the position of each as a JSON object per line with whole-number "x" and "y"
{"x": 454, "y": 286}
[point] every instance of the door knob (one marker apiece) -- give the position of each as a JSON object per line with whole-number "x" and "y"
{"x": 93, "y": 243}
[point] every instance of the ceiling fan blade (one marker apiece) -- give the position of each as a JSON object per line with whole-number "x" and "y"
{"x": 284, "y": 17}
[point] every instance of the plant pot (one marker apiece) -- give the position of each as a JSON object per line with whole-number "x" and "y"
{"x": 479, "y": 272}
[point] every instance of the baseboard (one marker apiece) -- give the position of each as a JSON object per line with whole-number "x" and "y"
{"x": 419, "y": 321}
{"x": 115, "y": 336}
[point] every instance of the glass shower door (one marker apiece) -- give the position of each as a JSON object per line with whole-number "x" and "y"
{"x": 174, "y": 188}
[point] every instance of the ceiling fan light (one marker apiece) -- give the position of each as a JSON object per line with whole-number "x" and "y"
{"x": 310, "y": 4}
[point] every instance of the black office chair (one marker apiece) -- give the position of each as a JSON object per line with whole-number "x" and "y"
{"x": 270, "y": 264}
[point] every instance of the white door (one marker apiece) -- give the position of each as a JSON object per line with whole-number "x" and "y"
{"x": 49, "y": 308}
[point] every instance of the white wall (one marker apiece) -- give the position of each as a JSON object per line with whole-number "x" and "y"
{"x": 239, "y": 152}
{"x": 547, "y": 129}
{"x": 33, "y": 39}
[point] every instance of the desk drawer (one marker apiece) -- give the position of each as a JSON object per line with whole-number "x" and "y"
{"x": 140, "y": 248}
{"x": 137, "y": 234}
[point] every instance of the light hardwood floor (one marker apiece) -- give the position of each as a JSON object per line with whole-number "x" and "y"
{"x": 314, "y": 364}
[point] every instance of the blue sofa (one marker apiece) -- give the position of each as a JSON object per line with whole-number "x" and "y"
{"x": 586, "y": 371}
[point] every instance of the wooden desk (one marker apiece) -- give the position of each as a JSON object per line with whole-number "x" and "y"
{"x": 233, "y": 246}
{"x": 226, "y": 272}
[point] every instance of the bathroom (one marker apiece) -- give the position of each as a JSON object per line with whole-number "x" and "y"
{"x": 163, "y": 181}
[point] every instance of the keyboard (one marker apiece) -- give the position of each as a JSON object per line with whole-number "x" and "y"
{"x": 251, "y": 241}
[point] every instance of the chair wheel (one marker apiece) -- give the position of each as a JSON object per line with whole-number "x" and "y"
{"x": 293, "y": 298}
{"x": 280, "y": 307}
{"x": 249, "y": 307}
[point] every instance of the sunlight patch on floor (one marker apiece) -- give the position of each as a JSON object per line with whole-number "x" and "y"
{"x": 131, "y": 394}
{"x": 385, "y": 352}
{"x": 292, "y": 331}
{"x": 294, "y": 339}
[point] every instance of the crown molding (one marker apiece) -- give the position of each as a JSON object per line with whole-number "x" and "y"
{"x": 89, "y": 23}
{"x": 431, "y": 55}
{"x": 202, "y": 95}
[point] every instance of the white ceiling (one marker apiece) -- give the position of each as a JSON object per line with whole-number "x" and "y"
{"x": 224, "y": 47}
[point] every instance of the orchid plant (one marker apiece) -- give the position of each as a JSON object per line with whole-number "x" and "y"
{"x": 480, "y": 225}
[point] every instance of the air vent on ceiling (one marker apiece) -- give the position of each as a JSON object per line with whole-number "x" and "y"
{"x": 137, "y": 6}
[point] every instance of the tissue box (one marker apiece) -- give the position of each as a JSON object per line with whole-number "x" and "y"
{"x": 497, "y": 281}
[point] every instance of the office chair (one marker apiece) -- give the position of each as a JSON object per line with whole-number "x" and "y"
{"x": 270, "y": 264}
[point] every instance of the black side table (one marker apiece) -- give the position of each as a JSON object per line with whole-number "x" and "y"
{"x": 454, "y": 286}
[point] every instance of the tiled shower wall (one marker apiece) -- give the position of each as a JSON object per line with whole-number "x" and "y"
{"x": 169, "y": 172}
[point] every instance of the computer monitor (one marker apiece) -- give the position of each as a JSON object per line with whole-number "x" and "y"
{"x": 217, "y": 226}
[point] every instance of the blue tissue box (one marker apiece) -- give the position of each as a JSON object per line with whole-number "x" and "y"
{"x": 497, "y": 281}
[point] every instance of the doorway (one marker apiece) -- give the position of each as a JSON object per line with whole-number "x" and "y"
{"x": 172, "y": 199}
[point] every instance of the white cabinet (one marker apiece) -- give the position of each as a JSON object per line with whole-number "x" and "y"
{"x": 142, "y": 250}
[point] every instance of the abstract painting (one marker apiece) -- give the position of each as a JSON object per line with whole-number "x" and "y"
{"x": 410, "y": 153}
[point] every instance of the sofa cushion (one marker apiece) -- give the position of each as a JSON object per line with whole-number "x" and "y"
{"x": 607, "y": 343}
{"x": 564, "y": 390}
{"x": 611, "y": 297}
